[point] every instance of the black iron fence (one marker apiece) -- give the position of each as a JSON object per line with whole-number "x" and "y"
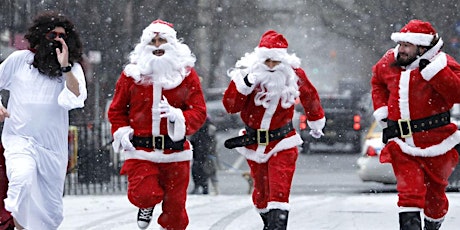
{"x": 93, "y": 166}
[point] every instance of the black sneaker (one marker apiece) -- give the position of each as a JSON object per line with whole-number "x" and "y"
{"x": 144, "y": 216}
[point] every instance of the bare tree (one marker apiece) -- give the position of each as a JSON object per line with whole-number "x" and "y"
{"x": 370, "y": 23}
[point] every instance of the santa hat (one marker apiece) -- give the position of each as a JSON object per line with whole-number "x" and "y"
{"x": 272, "y": 46}
{"x": 164, "y": 29}
{"x": 416, "y": 32}
{"x": 273, "y": 40}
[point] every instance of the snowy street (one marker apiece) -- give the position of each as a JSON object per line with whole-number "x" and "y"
{"x": 326, "y": 194}
{"x": 235, "y": 212}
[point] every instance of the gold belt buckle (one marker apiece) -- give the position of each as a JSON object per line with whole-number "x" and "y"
{"x": 264, "y": 134}
{"x": 406, "y": 122}
{"x": 160, "y": 137}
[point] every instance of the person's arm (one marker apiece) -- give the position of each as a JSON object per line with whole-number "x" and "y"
{"x": 238, "y": 91}
{"x": 118, "y": 113}
{"x": 443, "y": 74}
{"x": 310, "y": 100}
{"x": 3, "y": 113}
{"x": 195, "y": 112}
{"x": 380, "y": 95}
{"x": 63, "y": 57}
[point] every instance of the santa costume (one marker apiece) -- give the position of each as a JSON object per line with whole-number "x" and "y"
{"x": 265, "y": 98}
{"x": 413, "y": 104}
{"x": 157, "y": 154}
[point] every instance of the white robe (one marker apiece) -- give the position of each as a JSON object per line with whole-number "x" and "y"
{"x": 35, "y": 140}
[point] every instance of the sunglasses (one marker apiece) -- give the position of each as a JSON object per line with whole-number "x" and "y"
{"x": 53, "y": 35}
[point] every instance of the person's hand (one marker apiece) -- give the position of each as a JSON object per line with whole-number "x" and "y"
{"x": 316, "y": 133}
{"x": 3, "y": 113}
{"x": 383, "y": 123}
{"x": 249, "y": 77}
{"x": 168, "y": 111}
{"x": 122, "y": 139}
{"x": 423, "y": 63}
{"x": 62, "y": 54}
{"x": 126, "y": 142}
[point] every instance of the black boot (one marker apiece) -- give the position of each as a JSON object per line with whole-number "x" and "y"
{"x": 432, "y": 225}
{"x": 410, "y": 221}
{"x": 264, "y": 219}
{"x": 277, "y": 219}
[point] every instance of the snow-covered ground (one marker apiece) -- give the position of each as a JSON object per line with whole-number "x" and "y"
{"x": 235, "y": 212}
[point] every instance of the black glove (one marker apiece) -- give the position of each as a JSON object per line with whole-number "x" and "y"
{"x": 423, "y": 63}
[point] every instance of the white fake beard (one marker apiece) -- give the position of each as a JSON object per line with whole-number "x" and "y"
{"x": 281, "y": 84}
{"x": 160, "y": 68}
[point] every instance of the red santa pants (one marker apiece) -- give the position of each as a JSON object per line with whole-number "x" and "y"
{"x": 150, "y": 183}
{"x": 272, "y": 179}
{"x": 422, "y": 181}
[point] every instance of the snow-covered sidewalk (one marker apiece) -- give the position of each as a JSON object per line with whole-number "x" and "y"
{"x": 235, "y": 212}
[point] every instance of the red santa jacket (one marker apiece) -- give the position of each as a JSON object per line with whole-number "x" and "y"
{"x": 132, "y": 106}
{"x": 409, "y": 93}
{"x": 235, "y": 101}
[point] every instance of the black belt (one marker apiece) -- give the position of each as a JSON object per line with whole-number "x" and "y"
{"x": 258, "y": 136}
{"x": 158, "y": 142}
{"x": 404, "y": 127}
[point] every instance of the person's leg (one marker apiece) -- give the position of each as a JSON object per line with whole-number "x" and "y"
{"x": 260, "y": 190}
{"x": 22, "y": 175}
{"x": 144, "y": 190}
{"x": 259, "y": 175}
{"x": 438, "y": 170}
{"x": 410, "y": 185}
{"x": 281, "y": 167}
{"x": 174, "y": 178}
{"x": 6, "y": 220}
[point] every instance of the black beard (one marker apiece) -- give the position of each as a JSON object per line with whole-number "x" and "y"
{"x": 400, "y": 62}
{"x": 45, "y": 59}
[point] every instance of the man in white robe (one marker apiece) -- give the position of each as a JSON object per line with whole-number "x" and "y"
{"x": 45, "y": 82}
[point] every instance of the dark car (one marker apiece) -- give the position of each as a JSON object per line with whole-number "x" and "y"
{"x": 221, "y": 119}
{"x": 348, "y": 116}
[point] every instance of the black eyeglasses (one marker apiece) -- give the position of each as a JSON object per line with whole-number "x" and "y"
{"x": 53, "y": 34}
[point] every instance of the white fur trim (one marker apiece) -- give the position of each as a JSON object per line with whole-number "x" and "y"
{"x": 278, "y": 205}
{"x": 159, "y": 156}
{"x": 240, "y": 85}
{"x": 318, "y": 124}
{"x": 432, "y": 151}
{"x": 409, "y": 209}
{"x": 413, "y": 38}
{"x": 404, "y": 94}
{"x": 262, "y": 210}
{"x": 261, "y": 157}
{"x": 277, "y": 54}
{"x": 435, "y": 220}
{"x": 176, "y": 129}
{"x": 164, "y": 30}
{"x": 436, "y": 65}
{"x": 381, "y": 113}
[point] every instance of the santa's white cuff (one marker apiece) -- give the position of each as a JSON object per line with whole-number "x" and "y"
{"x": 318, "y": 124}
{"x": 176, "y": 129}
{"x": 436, "y": 65}
{"x": 278, "y": 205}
